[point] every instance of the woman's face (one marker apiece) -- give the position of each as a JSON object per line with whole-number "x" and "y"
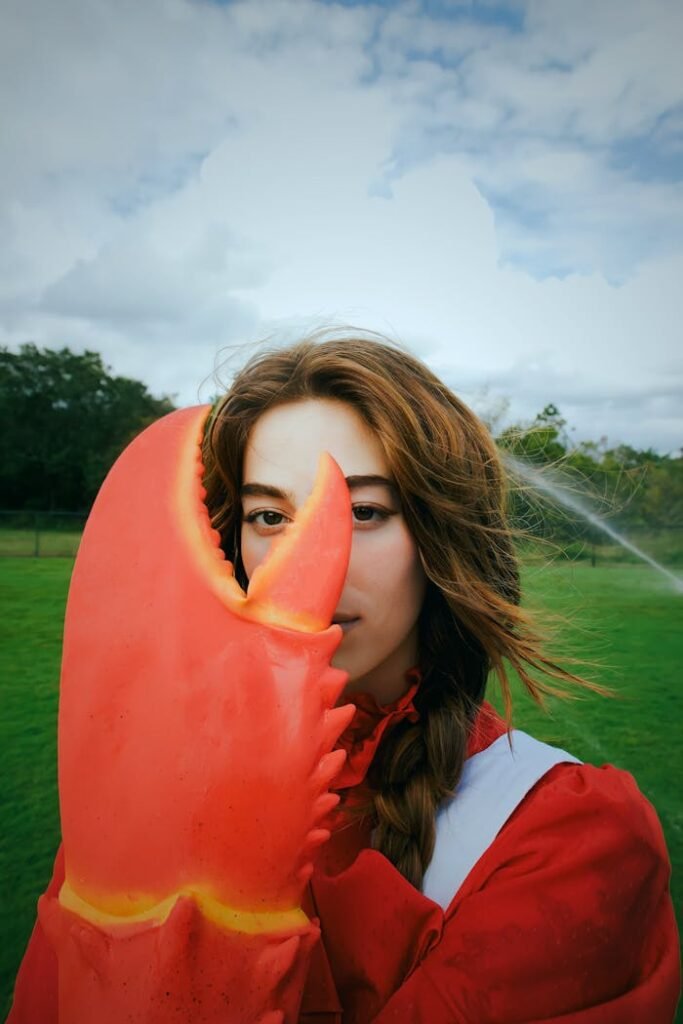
{"x": 385, "y": 584}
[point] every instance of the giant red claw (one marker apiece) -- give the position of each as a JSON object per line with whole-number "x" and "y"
{"x": 197, "y": 727}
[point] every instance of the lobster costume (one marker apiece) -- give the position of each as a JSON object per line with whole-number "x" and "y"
{"x": 199, "y": 739}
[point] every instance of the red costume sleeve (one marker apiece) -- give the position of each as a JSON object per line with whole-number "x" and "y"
{"x": 35, "y": 990}
{"x": 566, "y": 918}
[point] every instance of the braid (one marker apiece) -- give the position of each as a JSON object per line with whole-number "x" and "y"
{"x": 418, "y": 765}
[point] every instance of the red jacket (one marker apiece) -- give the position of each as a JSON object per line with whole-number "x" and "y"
{"x": 565, "y": 918}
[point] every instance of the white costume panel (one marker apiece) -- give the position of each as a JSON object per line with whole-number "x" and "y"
{"x": 493, "y": 783}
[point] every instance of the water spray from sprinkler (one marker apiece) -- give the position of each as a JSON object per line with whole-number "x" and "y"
{"x": 542, "y": 482}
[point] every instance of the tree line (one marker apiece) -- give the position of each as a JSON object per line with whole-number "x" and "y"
{"x": 634, "y": 491}
{"x": 65, "y": 417}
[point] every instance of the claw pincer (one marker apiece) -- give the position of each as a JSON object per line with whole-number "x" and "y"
{"x": 196, "y": 733}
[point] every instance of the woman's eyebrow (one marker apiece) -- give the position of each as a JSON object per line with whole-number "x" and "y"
{"x": 352, "y": 482}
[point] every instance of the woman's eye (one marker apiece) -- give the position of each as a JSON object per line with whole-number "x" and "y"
{"x": 365, "y": 513}
{"x": 270, "y": 518}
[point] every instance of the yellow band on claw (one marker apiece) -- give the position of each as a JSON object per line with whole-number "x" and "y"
{"x": 227, "y": 918}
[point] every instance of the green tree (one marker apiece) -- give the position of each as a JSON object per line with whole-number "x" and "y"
{"x": 634, "y": 490}
{"x": 541, "y": 442}
{"x": 538, "y": 445}
{"x": 64, "y": 418}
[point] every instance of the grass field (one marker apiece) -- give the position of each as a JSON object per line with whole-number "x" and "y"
{"x": 624, "y": 618}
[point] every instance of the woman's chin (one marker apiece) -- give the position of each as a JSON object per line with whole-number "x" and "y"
{"x": 345, "y": 663}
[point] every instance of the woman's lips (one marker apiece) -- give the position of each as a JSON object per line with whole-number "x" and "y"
{"x": 348, "y": 624}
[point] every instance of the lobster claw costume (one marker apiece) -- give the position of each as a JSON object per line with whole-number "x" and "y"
{"x": 196, "y": 735}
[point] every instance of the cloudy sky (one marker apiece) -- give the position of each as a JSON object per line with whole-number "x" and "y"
{"x": 499, "y": 185}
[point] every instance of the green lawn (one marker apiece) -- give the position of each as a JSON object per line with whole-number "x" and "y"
{"x": 32, "y": 596}
{"x": 623, "y": 617}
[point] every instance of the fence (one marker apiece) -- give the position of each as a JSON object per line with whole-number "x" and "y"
{"x": 40, "y": 534}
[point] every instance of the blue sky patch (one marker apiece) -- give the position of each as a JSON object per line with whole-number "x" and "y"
{"x": 510, "y": 15}
{"x": 654, "y": 156}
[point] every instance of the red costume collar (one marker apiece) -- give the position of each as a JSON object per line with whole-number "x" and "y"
{"x": 361, "y": 738}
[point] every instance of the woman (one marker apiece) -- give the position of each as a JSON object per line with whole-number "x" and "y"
{"x": 542, "y": 926}
{"x": 539, "y": 892}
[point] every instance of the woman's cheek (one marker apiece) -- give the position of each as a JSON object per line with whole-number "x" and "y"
{"x": 394, "y": 559}
{"x": 253, "y": 550}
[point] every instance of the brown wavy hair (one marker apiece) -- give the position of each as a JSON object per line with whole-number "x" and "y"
{"x": 454, "y": 498}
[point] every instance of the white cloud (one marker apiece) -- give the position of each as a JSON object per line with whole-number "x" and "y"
{"x": 178, "y": 176}
{"x": 580, "y": 81}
